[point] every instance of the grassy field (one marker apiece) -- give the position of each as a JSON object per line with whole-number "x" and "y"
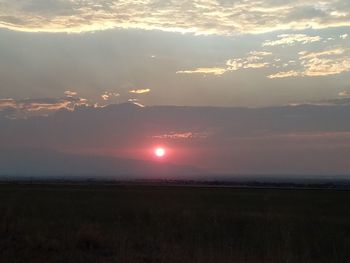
{"x": 57, "y": 223}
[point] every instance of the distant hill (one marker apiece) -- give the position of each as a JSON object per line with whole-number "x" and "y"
{"x": 281, "y": 141}
{"x": 38, "y": 163}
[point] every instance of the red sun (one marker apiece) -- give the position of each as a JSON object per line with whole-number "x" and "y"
{"x": 159, "y": 152}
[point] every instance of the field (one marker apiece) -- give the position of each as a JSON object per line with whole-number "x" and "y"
{"x": 102, "y": 223}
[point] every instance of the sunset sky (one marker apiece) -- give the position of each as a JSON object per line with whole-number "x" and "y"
{"x": 280, "y": 68}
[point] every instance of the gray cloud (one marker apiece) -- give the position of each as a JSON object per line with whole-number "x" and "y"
{"x": 197, "y": 16}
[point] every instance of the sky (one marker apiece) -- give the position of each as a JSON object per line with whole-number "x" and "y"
{"x": 270, "y": 64}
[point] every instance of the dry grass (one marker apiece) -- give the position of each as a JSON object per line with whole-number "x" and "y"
{"x": 165, "y": 224}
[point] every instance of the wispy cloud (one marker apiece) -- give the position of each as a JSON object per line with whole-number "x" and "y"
{"x": 284, "y": 74}
{"x": 29, "y": 107}
{"x": 321, "y": 63}
{"x": 136, "y": 102}
{"x": 253, "y": 60}
{"x": 109, "y": 95}
{"x": 328, "y": 52}
{"x": 139, "y": 91}
{"x": 182, "y": 135}
{"x": 69, "y": 93}
{"x": 292, "y": 39}
{"x": 260, "y": 53}
{"x": 328, "y": 62}
{"x": 214, "y": 71}
{"x": 196, "y": 16}
{"x": 344, "y": 94}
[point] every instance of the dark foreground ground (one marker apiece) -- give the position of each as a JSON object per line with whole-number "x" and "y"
{"x": 56, "y": 223}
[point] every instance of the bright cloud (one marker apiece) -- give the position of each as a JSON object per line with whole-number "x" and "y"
{"x": 253, "y": 60}
{"x": 328, "y": 52}
{"x": 292, "y": 39}
{"x": 328, "y": 62}
{"x": 195, "y": 16}
{"x": 109, "y": 95}
{"x": 139, "y": 91}
{"x": 344, "y": 94}
{"x": 136, "y": 102}
{"x": 284, "y": 74}
{"x": 214, "y": 71}
{"x": 260, "y": 53}
{"x": 69, "y": 93}
{"x": 28, "y": 107}
{"x": 322, "y": 63}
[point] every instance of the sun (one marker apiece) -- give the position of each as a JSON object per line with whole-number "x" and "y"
{"x": 159, "y": 152}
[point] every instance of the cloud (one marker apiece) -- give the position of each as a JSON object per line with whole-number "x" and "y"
{"x": 136, "y": 102}
{"x": 139, "y": 91}
{"x": 327, "y": 62}
{"x": 5, "y": 103}
{"x": 256, "y": 65}
{"x": 324, "y": 63}
{"x": 104, "y": 96}
{"x": 195, "y": 16}
{"x": 328, "y": 52}
{"x": 253, "y": 60}
{"x": 344, "y": 93}
{"x": 292, "y": 39}
{"x": 182, "y": 135}
{"x": 214, "y": 71}
{"x": 344, "y": 36}
{"x": 284, "y": 74}
{"x": 260, "y": 53}
{"x": 344, "y": 99}
{"x": 69, "y": 93}
{"x": 31, "y": 107}
{"x": 109, "y": 95}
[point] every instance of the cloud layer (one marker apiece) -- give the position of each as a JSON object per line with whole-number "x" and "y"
{"x": 196, "y": 16}
{"x": 24, "y": 108}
